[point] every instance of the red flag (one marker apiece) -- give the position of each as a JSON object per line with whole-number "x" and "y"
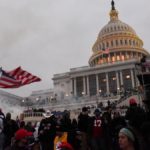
{"x": 22, "y": 77}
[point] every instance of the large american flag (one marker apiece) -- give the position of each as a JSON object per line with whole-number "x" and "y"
{"x": 16, "y": 78}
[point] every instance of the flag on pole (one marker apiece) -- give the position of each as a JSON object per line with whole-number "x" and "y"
{"x": 105, "y": 51}
{"x": 16, "y": 78}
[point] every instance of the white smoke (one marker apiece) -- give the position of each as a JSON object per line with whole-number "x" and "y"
{"x": 6, "y": 107}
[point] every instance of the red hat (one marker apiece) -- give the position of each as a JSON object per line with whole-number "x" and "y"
{"x": 132, "y": 101}
{"x": 65, "y": 145}
{"x": 22, "y": 133}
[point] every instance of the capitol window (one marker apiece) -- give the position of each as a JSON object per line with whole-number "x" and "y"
{"x": 121, "y": 42}
{"x": 112, "y": 82}
{"x": 127, "y": 79}
{"x": 116, "y": 42}
{"x": 112, "y": 43}
{"x": 107, "y": 44}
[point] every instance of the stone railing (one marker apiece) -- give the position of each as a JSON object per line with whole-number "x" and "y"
{"x": 33, "y": 114}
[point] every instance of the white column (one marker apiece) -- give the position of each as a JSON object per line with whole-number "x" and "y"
{"x": 107, "y": 83}
{"x": 87, "y": 81}
{"x": 132, "y": 78}
{"x": 117, "y": 80}
{"x": 84, "y": 88}
{"x": 72, "y": 87}
{"x": 121, "y": 78}
{"x": 97, "y": 84}
{"x": 75, "y": 87}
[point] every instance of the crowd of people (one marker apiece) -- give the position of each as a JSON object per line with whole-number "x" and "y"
{"x": 104, "y": 130}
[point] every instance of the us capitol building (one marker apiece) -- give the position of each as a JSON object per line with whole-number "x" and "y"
{"x": 107, "y": 73}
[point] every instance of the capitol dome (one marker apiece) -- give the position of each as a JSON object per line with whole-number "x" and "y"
{"x": 116, "y": 27}
{"x": 117, "y": 41}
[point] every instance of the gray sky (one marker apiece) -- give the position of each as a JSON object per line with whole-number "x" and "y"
{"x": 46, "y": 37}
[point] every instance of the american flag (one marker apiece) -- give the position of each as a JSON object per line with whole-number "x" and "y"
{"x": 105, "y": 51}
{"x": 16, "y": 78}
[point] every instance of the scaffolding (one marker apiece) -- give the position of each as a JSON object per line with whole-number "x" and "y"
{"x": 143, "y": 75}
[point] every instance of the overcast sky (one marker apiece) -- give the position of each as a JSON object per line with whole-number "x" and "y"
{"x": 47, "y": 37}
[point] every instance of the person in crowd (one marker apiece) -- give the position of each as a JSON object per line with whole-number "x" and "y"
{"x": 128, "y": 140}
{"x": 68, "y": 126}
{"x": 18, "y": 121}
{"x": 2, "y": 138}
{"x": 74, "y": 138}
{"x": 24, "y": 140}
{"x": 36, "y": 131}
{"x": 21, "y": 121}
{"x": 61, "y": 136}
{"x": 145, "y": 129}
{"x": 83, "y": 124}
{"x": 65, "y": 121}
{"x": 107, "y": 118}
{"x": 96, "y": 131}
{"x": 22, "y": 124}
{"x": 29, "y": 127}
{"x": 47, "y": 131}
{"x": 10, "y": 127}
{"x": 2, "y": 114}
{"x": 117, "y": 123}
{"x": 135, "y": 115}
